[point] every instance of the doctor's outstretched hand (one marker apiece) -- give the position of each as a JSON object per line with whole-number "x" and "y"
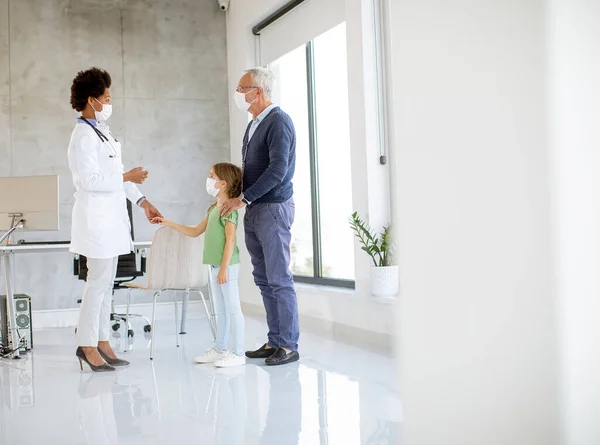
{"x": 152, "y": 212}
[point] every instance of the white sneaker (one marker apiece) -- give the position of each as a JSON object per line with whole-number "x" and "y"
{"x": 211, "y": 355}
{"x": 231, "y": 360}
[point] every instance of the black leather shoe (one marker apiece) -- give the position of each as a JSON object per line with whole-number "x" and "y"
{"x": 261, "y": 352}
{"x": 282, "y": 357}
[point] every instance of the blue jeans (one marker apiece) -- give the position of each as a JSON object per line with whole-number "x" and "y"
{"x": 268, "y": 238}
{"x": 226, "y": 300}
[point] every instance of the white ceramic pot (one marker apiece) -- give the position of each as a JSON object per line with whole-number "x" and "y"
{"x": 384, "y": 281}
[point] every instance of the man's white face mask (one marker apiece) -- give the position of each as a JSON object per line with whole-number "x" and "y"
{"x": 240, "y": 100}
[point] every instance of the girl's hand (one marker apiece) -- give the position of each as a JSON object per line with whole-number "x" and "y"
{"x": 159, "y": 220}
{"x": 222, "y": 276}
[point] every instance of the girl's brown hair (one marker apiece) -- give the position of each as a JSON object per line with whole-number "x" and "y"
{"x": 231, "y": 174}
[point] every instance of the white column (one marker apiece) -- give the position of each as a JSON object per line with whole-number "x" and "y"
{"x": 477, "y": 341}
{"x": 574, "y": 29}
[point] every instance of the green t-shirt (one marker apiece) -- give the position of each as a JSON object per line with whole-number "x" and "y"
{"x": 214, "y": 238}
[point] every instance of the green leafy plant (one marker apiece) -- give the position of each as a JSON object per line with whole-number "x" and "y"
{"x": 377, "y": 246}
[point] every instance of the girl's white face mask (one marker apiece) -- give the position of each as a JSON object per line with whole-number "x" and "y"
{"x": 210, "y": 187}
{"x": 104, "y": 115}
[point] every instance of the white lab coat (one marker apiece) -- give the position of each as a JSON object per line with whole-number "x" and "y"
{"x": 100, "y": 227}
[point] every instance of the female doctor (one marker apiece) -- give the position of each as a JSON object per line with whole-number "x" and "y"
{"x": 101, "y": 228}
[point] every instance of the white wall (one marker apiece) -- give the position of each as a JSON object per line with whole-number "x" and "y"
{"x": 575, "y": 87}
{"x": 477, "y": 315}
{"x": 354, "y": 310}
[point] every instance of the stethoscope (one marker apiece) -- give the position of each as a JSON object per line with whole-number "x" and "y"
{"x": 102, "y": 137}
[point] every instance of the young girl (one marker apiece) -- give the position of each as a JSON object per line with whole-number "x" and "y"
{"x": 222, "y": 254}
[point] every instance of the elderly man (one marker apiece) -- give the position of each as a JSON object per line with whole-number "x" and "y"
{"x": 269, "y": 161}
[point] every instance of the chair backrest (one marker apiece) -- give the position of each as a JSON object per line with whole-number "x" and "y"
{"x": 127, "y": 268}
{"x": 175, "y": 261}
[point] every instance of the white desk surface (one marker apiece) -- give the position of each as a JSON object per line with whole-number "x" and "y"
{"x": 56, "y": 247}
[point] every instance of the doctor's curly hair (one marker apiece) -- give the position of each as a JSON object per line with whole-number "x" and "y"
{"x": 89, "y": 83}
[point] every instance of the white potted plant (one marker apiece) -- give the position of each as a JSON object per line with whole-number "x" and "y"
{"x": 384, "y": 276}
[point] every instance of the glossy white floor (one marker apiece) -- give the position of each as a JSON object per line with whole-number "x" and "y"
{"x": 336, "y": 394}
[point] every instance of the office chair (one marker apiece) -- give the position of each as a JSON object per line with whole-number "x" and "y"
{"x": 127, "y": 271}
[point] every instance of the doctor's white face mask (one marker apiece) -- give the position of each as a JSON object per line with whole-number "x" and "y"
{"x": 104, "y": 115}
{"x": 210, "y": 187}
{"x": 240, "y": 100}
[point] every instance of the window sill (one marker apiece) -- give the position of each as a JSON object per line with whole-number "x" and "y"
{"x": 325, "y": 282}
{"x": 317, "y": 289}
{"x": 320, "y": 289}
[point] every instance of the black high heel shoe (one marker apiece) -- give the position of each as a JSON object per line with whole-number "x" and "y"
{"x": 112, "y": 361}
{"x": 82, "y": 358}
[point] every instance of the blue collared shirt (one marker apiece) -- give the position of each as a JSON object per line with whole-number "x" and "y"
{"x": 91, "y": 121}
{"x": 256, "y": 122}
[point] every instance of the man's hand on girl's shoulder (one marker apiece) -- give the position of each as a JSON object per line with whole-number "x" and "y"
{"x": 231, "y": 205}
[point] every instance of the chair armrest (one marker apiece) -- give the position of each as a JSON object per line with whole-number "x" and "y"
{"x": 135, "y": 286}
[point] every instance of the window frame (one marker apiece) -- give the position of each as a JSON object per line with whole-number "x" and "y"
{"x": 317, "y": 278}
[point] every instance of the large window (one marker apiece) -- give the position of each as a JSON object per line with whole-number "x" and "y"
{"x": 313, "y": 89}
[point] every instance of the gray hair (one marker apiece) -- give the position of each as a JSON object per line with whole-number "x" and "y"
{"x": 263, "y": 78}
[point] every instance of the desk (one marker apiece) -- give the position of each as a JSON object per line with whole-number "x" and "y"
{"x": 6, "y": 253}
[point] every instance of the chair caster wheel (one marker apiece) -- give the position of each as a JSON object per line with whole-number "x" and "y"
{"x": 130, "y": 333}
{"x": 116, "y": 326}
{"x": 147, "y": 328}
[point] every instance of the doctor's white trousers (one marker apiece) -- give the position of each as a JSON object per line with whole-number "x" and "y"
{"x": 94, "y": 315}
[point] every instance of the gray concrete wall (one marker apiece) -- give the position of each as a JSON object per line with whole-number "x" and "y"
{"x": 169, "y": 68}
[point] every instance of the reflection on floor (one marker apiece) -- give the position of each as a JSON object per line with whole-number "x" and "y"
{"x": 336, "y": 394}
